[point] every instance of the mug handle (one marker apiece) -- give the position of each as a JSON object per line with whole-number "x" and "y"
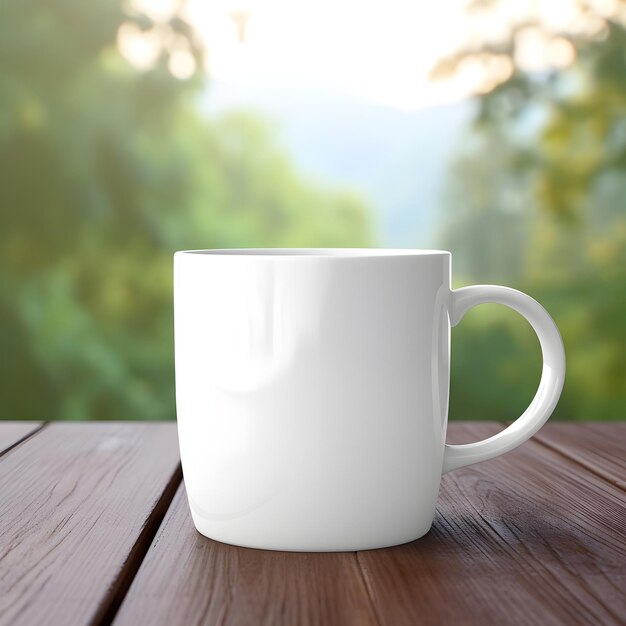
{"x": 552, "y": 376}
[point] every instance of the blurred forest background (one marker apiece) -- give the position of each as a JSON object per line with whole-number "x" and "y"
{"x": 108, "y": 166}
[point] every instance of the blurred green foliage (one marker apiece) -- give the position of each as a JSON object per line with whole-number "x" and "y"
{"x": 537, "y": 200}
{"x": 105, "y": 171}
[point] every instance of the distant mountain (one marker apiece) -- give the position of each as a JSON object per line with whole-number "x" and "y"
{"x": 395, "y": 159}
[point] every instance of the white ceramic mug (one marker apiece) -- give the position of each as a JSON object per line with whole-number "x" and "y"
{"x": 312, "y": 392}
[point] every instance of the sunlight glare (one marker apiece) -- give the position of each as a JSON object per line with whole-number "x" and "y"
{"x": 140, "y": 48}
{"x": 380, "y": 51}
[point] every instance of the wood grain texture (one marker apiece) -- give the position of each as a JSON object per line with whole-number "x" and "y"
{"x": 189, "y": 579}
{"x": 12, "y": 433}
{"x": 529, "y": 538}
{"x": 599, "y": 447}
{"x": 77, "y": 502}
{"x": 534, "y": 537}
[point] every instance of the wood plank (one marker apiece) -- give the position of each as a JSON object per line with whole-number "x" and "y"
{"x": 12, "y": 433}
{"x": 529, "y": 538}
{"x": 600, "y": 447}
{"x": 189, "y": 579}
{"x": 80, "y": 503}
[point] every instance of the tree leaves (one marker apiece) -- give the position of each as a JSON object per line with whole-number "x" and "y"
{"x": 105, "y": 170}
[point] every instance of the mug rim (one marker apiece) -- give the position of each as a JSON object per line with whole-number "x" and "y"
{"x": 333, "y": 253}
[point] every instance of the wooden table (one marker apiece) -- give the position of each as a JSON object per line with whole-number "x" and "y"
{"x": 94, "y": 529}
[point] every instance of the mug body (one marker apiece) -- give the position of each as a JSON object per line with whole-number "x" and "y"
{"x": 312, "y": 394}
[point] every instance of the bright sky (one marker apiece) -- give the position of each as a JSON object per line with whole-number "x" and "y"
{"x": 380, "y": 50}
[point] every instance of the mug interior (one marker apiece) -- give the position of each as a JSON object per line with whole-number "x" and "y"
{"x": 319, "y": 252}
